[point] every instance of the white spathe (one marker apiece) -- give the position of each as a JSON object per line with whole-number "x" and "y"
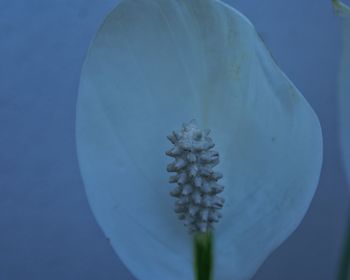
{"x": 344, "y": 87}
{"x": 158, "y": 63}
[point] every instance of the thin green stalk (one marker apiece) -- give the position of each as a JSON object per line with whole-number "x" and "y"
{"x": 345, "y": 261}
{"x": 203, "y": 255}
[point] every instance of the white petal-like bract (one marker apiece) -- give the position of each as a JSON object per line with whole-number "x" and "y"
{"x": 158, "y": 63}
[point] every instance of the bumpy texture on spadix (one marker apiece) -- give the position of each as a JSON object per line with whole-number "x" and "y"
{"x": 344, "y": 86}
{"x": 197, "y": 188}
{"x": 157, "y": 63}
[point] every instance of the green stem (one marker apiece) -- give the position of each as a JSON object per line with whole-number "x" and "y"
{"x": 203, "y": 255}
{"x": 345, "y": 262}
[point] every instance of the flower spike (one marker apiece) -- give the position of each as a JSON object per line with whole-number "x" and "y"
{"x": 197, "y": 188}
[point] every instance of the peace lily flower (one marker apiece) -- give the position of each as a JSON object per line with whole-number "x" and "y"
{"x": 344, "y": 86}
{"x": 156, "y": 64}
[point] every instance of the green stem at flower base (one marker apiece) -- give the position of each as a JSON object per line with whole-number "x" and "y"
{"x": 203, "y": 255}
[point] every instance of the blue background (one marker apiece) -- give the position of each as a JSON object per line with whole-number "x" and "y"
{"x": 47, "y": 230}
